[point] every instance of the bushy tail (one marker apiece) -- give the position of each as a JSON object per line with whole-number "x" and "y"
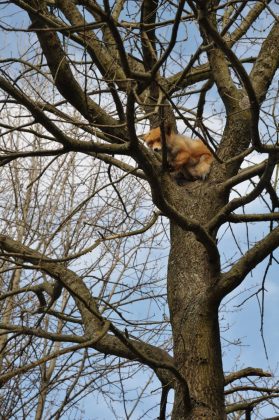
{"x": 202, "y": 169}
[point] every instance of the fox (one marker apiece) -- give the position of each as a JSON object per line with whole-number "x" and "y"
{"x": 188, "y": 157}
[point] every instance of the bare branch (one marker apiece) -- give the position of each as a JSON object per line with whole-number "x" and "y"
{"x": 249, "y": 404}
{"x": 219, "y": 218}
{"x": 230, "y": 280}
{"x": 243, "y": 373}
{"x": 266, "y": 64}
{"x": 131, "y": 349}
{"x": 240, "y": 218}
{"x": 6, "y": 377}
{"x": 68, "y": 143}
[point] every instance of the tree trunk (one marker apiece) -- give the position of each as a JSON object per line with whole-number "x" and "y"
{"x": 194, "y": 313}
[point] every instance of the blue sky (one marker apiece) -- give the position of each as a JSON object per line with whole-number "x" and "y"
{"x": 244, "y": 322}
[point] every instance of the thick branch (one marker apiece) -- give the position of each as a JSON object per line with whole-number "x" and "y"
{"x": 203, "y": 72}
{"x": 257, "y": 86}
{"x": 65, "y": 81}
{"x": 235, "y": 102}
{"x": 37, "y": 332}
{"x": 243, "y": 175}
{"x": 221, "y": 217}
{"x": 218, "y": 62}
{"x": 148, "y": 37}
{"x": 230, "y": 280}
{"x": 261, "y": 217}
{"x": 101, "y": 56}
{"x": 247, "y": 22}
{"x": 243, "y": 373}
{"x": 266, "y": 64}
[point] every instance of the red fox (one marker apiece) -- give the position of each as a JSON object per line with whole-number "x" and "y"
{"x": 189, "y": 157}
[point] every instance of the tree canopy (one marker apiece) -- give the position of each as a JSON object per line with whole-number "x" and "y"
{"x": 114, "y": 273}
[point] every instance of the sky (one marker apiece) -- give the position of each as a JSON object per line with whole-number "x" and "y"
{"x": 237, "y": 322}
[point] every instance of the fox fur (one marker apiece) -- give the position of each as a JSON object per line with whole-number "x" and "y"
{"x": 189, "y": 157}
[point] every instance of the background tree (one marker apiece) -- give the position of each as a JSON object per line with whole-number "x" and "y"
{"x": 86, "y": 303}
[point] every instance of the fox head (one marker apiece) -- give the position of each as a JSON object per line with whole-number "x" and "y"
{"x": 153, "y": 139}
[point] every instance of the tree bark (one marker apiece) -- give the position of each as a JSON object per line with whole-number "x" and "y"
{"x": 194, "y": 311}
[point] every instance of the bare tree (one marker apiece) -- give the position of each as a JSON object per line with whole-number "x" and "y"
{"x": 86, "y": 302}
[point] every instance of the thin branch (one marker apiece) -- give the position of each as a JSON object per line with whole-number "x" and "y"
{"x": 172, "y": 40}
{"x": 119, "y": 345}
{"x": 20, "y": 371}
{"x": 59, "y": 136}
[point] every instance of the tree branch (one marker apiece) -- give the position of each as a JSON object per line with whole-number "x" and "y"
{"x": 59, "y": 136}
{"x": 230, "y": 280}
{"x": 240, "y": 218}
{"x": 266, "y": 64}
{"x": 24, "y": 369}
{"x": 251, "y": 388}
{"x": 243, "y": 175}
{"x": 64, "y": 79}
{"x": 243, "y": 373}
{"x": 222, "y": 215}
{"x": 217, "y": 59}
{"x": 120, "y": 345}
{"x": 246, "y": 405}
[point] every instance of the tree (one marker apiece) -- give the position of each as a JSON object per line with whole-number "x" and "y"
{"x": 80, "y": 228}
